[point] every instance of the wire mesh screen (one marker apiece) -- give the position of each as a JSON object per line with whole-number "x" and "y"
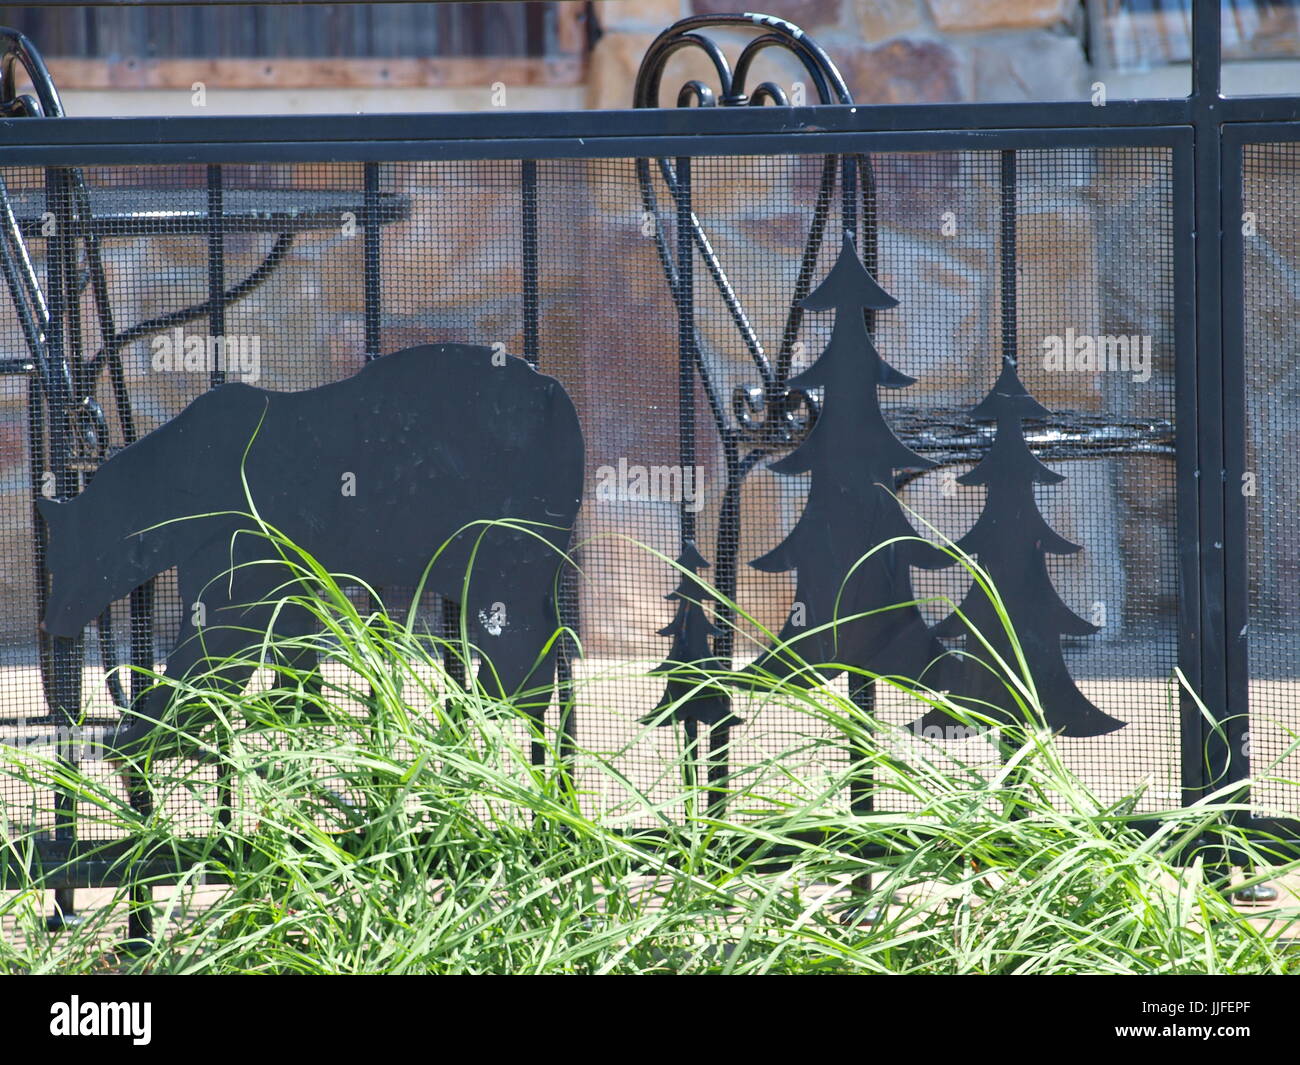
{"x": 303, "y": 305}
{"x": 1270, "y": 184}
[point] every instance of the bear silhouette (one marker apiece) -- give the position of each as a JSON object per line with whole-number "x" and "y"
{"x": 372, "y": 475}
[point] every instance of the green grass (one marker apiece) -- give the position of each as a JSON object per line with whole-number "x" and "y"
{"x": 390, "y": 822}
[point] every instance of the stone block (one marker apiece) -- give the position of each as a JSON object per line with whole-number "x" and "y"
{"x": 903, "y": 71}
{"x": 622, "y": 15}
{"x": 1033, "y": 66}
{"x": 956, "y": 16}
{"x": 878, "y": 20}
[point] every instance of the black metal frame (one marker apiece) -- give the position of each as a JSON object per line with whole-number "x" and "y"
{"x": 1227, "y": 761}
{"x": 946, "y": 438}
{"x": 1204, "y": 133}
{"x": 68, "y": 433}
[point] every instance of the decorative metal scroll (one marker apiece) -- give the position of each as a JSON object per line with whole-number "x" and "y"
{"x": 853, "y": 570}
{"x": 462, "y": 439}
{"x": 755, "y": 421}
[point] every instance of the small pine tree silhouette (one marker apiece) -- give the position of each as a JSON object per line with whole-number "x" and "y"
{"x": 691, "y": 664}
{"x": 852, "y": 610}
{"x": 1011, "y": 541}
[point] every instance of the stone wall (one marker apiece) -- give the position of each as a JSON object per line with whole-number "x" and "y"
{"x": 1094, "y": 258}
{"x": 889, "y": 51}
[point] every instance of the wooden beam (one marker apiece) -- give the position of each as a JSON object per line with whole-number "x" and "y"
{"x": 452, "y": 73}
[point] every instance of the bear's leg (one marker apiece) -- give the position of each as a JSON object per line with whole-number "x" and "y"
{"x": 217, "y": 648}
{"x": 205, "y": 657}
{"x": 295, "y": 660}
{"x": 512, "y": 621}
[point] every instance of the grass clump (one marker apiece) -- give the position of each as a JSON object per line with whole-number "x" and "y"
{"x": 380, "y": 817}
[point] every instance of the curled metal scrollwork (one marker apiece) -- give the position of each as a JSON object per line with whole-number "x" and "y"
{"x": 89, "y": 436}
{"x": 777, "y": 33}
{"x": 768, "y": 414}
{"x": 781, "y": 423}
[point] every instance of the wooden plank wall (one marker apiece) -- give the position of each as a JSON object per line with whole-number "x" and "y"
{"x": 307, "y": 46}
{"x": 296, "y": 31}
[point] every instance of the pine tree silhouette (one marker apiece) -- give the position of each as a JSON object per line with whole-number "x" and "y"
{"x": 1011, "y": 541}
{"x": 852, "y": 454}
{"x": 690, "y": 660}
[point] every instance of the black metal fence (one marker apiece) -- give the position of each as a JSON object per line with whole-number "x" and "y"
{"x": 655, "y": 261}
